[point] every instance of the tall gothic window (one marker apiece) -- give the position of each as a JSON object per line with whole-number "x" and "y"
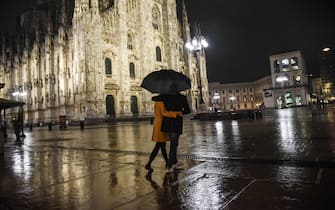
{"x": 108, "y": 66}
{"x": 129, "y": 42}
{"x": 155, "y": 18}
{"x": 132, "y": 70}
{"x": 158, "y": 54}
{"x": 133, "y": 105}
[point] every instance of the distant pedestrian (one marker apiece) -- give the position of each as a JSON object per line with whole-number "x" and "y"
{"x": 157, "y": 135}
{"x": 174, "y": 126}
{"x": 17, "y": 128}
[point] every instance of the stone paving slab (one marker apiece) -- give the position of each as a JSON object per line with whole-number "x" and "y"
{"x": 278, "y": 196}
{"x": 114, "y": 181}
{"x": 210, "y": 191}
{"x": 278, "y": 173}
{"x": 266, "y": 164}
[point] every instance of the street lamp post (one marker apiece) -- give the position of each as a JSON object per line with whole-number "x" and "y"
{"x": 198, "y": 45}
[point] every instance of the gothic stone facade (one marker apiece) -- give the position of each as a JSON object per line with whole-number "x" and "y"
{"x": 87, "y": 58}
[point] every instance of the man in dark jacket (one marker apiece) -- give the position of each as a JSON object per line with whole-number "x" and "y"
{"x": 174, "y": 126}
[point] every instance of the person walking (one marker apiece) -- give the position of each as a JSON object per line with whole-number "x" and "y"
{"x": 174, "y": 126}
{"x": 157, "y": 135}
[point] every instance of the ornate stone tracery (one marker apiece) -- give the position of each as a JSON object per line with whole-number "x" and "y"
{"x": 61, "y": 64}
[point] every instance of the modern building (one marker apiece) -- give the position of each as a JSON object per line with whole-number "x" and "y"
{"x": 289, "y": 81}
{"x": 327, "y": 73}
{"x": 87, "y": 58}
{"x": 238, "y": 96}
{"x": 316, "y": 89}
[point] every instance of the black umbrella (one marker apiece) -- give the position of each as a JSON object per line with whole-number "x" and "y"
{"x": 166, "y": 81}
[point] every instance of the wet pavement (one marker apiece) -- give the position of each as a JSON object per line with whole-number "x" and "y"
{"x": 284, "y": 161}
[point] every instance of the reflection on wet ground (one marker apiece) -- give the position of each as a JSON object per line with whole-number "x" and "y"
{"x": 284, "y": 161}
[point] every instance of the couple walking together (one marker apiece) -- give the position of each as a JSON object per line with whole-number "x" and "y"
{"x": 168, "y": 125}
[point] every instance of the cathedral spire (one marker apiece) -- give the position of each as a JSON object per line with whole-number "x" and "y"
{"x": 94, "y": 4}
{"x": 185, "y": 23}
{"x": 84, "y": 5}
{"x": 184, "y": 12}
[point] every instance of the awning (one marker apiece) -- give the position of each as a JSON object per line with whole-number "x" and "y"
{"x": 4, "y": 103}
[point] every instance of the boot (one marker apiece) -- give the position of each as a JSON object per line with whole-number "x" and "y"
{"x": 148, "y": 167}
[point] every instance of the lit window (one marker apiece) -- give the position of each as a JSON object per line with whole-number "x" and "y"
{"x": 296, "y": 79}
{"x": 276, "y": 66}
{"x": 285, "y": 64}
{"x": 294, "y": 63}
{"x": 281, "y": 79}
{"x": 298, "y": 100}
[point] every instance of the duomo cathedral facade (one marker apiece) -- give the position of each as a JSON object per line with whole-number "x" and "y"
{"x": 87, "y": 58}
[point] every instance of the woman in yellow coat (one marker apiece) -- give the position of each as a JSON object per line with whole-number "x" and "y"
{"x": 157, "y": 135}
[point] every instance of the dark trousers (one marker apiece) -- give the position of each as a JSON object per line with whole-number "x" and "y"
{"x": 174, "y": 138}
{"x": 158, "y": 145}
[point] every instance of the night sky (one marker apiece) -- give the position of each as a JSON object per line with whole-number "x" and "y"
{"x": 243, "y": 33}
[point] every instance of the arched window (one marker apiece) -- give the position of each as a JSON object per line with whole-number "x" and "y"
{"x": 129, "y": 42}
{"x": 132, "y": 70}
{"x": 158, "y": 54}
{"x": 108, "y": 66}
{"x": 133, "y": 105}
{"x": 155, "y": 18}
{"x": 110, "y": 106}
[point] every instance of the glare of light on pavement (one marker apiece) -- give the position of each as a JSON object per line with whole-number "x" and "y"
{"x": 22, "y": 165}
{"x": 219, "y": 131}
{"x": 286, "y": 131}
{"x": 235, "y": 130}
